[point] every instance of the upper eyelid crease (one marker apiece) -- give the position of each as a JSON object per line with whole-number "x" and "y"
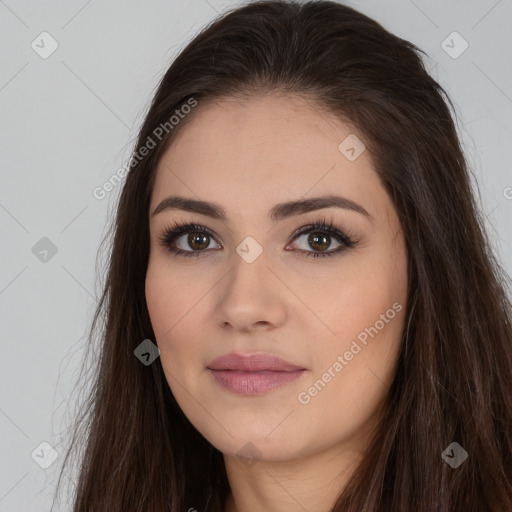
{"x": 345, "y": 239}
{"x": 278, "y": 212}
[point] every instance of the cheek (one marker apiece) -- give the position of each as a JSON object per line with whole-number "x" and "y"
{"x": 355, "y": 298}
{"x": 365, "y": 314}
{"x": 354, "y": 370}
{"x": 366, "y": 287}
{"x": 169, "y": 300}
{"x": 170, "y": 294}
{"x": 175, "y": 310}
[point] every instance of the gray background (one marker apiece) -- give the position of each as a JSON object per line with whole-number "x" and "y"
{"x": 68, "y": 124}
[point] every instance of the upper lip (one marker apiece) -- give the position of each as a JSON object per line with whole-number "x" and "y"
{"x": 253, "y": 363}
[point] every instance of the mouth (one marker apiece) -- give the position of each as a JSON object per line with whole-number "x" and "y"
{"x": 253, "y": 374}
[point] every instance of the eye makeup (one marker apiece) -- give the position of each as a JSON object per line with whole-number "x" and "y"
{"x": 320, "y": 233}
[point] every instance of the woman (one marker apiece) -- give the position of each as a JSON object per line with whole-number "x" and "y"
{"x": 298, "y": 237}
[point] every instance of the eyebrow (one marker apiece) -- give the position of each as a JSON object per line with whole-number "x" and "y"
{"x": 278, "y": 212}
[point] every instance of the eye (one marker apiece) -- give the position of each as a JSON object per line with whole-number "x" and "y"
{"x": 186, "y": 236}
{"x": 178, "y": 239}
{"x": 320, "y": 237}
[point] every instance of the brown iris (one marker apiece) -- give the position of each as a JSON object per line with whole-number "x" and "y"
{"x": 316, "y": 239}
{"x": 201, "y": 239}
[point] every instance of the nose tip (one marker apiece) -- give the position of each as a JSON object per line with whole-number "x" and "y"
{"x": 258, "y": 325}
{"x": 249, "y": 299}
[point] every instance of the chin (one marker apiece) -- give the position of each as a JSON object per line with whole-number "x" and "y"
{"x": 259, "y": 446}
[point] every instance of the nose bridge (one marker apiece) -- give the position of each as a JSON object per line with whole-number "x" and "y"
{"x": 249, "y": 267}
{"x": 250, "y": 292}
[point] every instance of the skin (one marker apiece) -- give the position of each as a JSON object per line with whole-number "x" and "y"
{"x": 262, "y": 151}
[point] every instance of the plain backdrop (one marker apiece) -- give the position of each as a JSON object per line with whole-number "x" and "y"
{"x": 75, "y": 82}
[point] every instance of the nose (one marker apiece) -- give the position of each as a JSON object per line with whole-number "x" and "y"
{"x": 250, "y": 297}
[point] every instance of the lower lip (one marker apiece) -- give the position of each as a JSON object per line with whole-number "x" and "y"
{"x": 253, "y": 383}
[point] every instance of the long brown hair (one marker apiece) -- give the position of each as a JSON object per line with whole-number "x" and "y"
{"x": 454, "y": 375}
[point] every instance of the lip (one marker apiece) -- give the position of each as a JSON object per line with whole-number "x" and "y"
{"x": 253, "y": 373}
{"x": 255, "y": 362}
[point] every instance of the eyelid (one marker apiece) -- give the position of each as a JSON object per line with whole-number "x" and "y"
{"x": 322, "y": 226}
{"x": 176, "y": 229}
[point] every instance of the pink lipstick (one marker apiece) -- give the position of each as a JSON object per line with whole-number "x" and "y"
{"x": 253, "y": 374}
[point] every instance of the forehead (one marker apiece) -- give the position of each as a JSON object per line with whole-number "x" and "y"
{"x": 262, "y": 149}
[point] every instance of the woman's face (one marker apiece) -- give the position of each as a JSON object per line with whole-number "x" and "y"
{"x": 248, "y": 286}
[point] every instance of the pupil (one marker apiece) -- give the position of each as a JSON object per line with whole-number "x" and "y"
{"x": 200, "y": 238}
{"x": 316, "y": 239}
{"x": 320, "y": 241}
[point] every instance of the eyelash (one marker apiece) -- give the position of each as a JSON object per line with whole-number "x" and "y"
{"x": 175, "y": 230}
